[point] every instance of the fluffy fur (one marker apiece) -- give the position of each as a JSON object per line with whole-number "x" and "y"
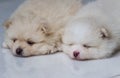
{"x": 35, "y": 27}
{"x": 94, "y": 32}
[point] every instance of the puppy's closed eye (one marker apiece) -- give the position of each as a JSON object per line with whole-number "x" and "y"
{"x": 30, "y": 42}
{"x": 71, "y": 44}
{"x": 86, "y": 46}
{"x": 14, "y": 39}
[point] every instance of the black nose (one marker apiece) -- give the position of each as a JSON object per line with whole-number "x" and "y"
{"x": 19, "y": 51}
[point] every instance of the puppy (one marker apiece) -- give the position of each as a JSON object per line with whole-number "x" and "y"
{"x": 35, "y": 27}
{"x": 94, "y": 32}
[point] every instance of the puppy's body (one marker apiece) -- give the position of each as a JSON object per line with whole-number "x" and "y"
{"x": 94, "y": 32}
{"x": 35, "y": 27}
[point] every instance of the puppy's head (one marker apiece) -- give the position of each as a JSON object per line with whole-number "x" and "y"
{"x": 25, "y": 37}
{"x": 87, "y": 40}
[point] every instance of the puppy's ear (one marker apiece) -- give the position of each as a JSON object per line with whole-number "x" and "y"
{"x": 44, "y": 27}
{"x": 104, "y": 33}
{"x": 7, "y": 23}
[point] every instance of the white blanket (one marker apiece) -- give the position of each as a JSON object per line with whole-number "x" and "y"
{"x": 56, "y": 65}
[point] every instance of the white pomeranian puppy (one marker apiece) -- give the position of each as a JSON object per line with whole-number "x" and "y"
{"x": 35, "y": 27}
{"x": 94, "y": 32}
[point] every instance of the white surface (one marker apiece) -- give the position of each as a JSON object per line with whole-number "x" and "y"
{"x": 51, "y": 66}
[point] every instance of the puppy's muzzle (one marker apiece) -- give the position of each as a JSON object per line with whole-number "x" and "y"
{"x": 76, "y": 54}
{"x": 19, "y": 51}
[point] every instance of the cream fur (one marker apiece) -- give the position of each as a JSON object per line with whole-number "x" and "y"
{"x": 39, "y": 21}
{"x": 94, "y": 32}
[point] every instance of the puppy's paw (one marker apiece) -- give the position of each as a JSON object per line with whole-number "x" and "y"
{"x": 4, "y": 45}
{"x": 44, "y": 50}
{"x": 51, "y": 51}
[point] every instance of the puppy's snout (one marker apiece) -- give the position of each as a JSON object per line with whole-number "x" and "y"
{"x": 76, "y": 53}
{"x": 19, "y": 51}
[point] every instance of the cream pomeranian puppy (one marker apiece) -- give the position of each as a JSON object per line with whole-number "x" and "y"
{"x": 94, "y": 32}
{"x": 35, "y": 27}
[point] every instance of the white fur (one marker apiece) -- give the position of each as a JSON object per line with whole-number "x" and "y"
{"x": 89, "y": 26}
{"x": 39, "y": 21}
